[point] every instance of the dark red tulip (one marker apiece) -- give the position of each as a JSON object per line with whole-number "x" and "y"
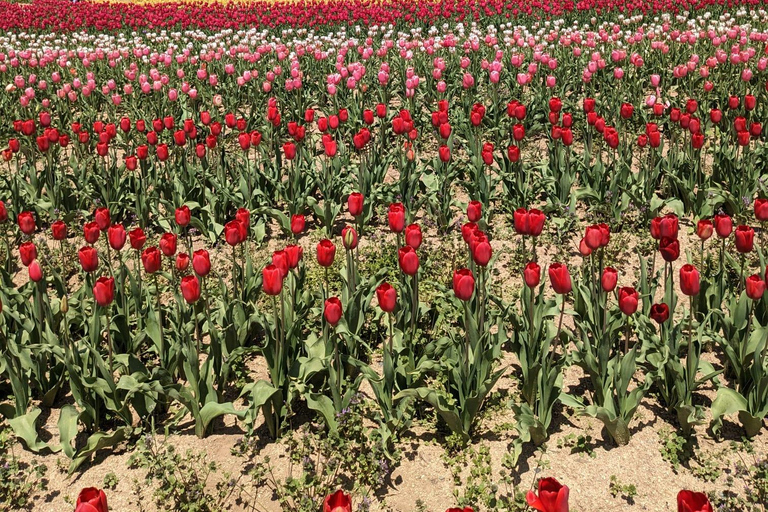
{"x": 482, "y": 252}
{"x": 91, "y": 232}
{"x": 669, "y": 249}
{"x": 659, "y": 313}
{"x": 669, "y": 226}
{"x": 104, "y": 291}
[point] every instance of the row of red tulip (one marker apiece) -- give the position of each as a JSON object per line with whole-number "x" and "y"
{"x": 552, "y": 496}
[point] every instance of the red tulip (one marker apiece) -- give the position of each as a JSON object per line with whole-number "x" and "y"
{"x": 413, "y": 236}
{"x": 745, "y": 239}
{"x": 704, "y": 229}
{"x": 137, "y": 238}
{"x": 162, "y": 152}
{"x": 609, "y": 279}
{"x": 94, "y": 498}
{"x": 628, "y": 300}
{"x": 536, "y": 219}
{"x": 326, "y": 251}
{"x": 91, "y": 232}
{"x": 689, "y": 280}
{"x": 552, "y": 497}
{"x": 150, "y": 258}
{"x": 116, "y": 236}
{"x": 689, "y": 501}
{"x": 27, "y": 253}
{"x": 482, "y": 251}
{"x": 474, "y": 211}
{"x": 297, "y": 223}
{"x": 513, "y": 153}
{"x": 755, "y": 287}
{"x": 104, "y": 291}
{"x": 35, "y": 272}
{"x": 555, "y": 104}
{"x": 272, "y": 280}
{"x": 190, "y": 289}
{"x": 463, "y": 284}
{"x": 521, "y": 222}
{"x": 201, "y": 262}
{"x": 408, "y": 260}
{"x": 59, "y": 230}
{"x": 295, "y": 253}
{"x": 626, "y": 110}
{"x": 593, "y": 237}
{"x": 750, "y": 102}
{"x": 289, "y": 148}
{"x": 26, "y": 222}
{"x": 659, "y": 313}
{"x": 761, "y": 209}
{"x": 182, "y": 261}
{"x": 396, "y": 217}
{"x": 723, "y": 225}
{"x": 387, "y": 297}
{"x": 4, "y": 213}
{"x": 669, "y": 249}
{"x": 332, "y": 314}
{"x": 183, "y": 216}
{"x": 444, "y": 152}
{"x": 532, "y": 274}
{"x": 233, "y": 232}
{"x": 560, "y": 278}
{"x": 584, "y": 249}
{"x": 355, "y": 204}
{"x": 669, "y": 226}
{"x": 89, "y": 258}
{"x": 168, "y": 244}
{"x": 337, "y": 502}
{"x": 102, "y": 218}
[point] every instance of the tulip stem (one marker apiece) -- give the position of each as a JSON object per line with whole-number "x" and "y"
{"x": 109, "y": 338}
{"x": 560, "y": 322}
{"x": 626, "y": 337}
{"x": 234, "y": 271}
{"x": 159, "y": 319}
{"x": 415, "y": 312}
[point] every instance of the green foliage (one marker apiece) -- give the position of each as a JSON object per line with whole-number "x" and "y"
{"x": 627, "y": 492}
{"x": 20, "y": 483}
{"x": 187, "y": 481}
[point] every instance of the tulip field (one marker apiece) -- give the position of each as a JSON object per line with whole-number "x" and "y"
{"x": 299, "y": 256}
